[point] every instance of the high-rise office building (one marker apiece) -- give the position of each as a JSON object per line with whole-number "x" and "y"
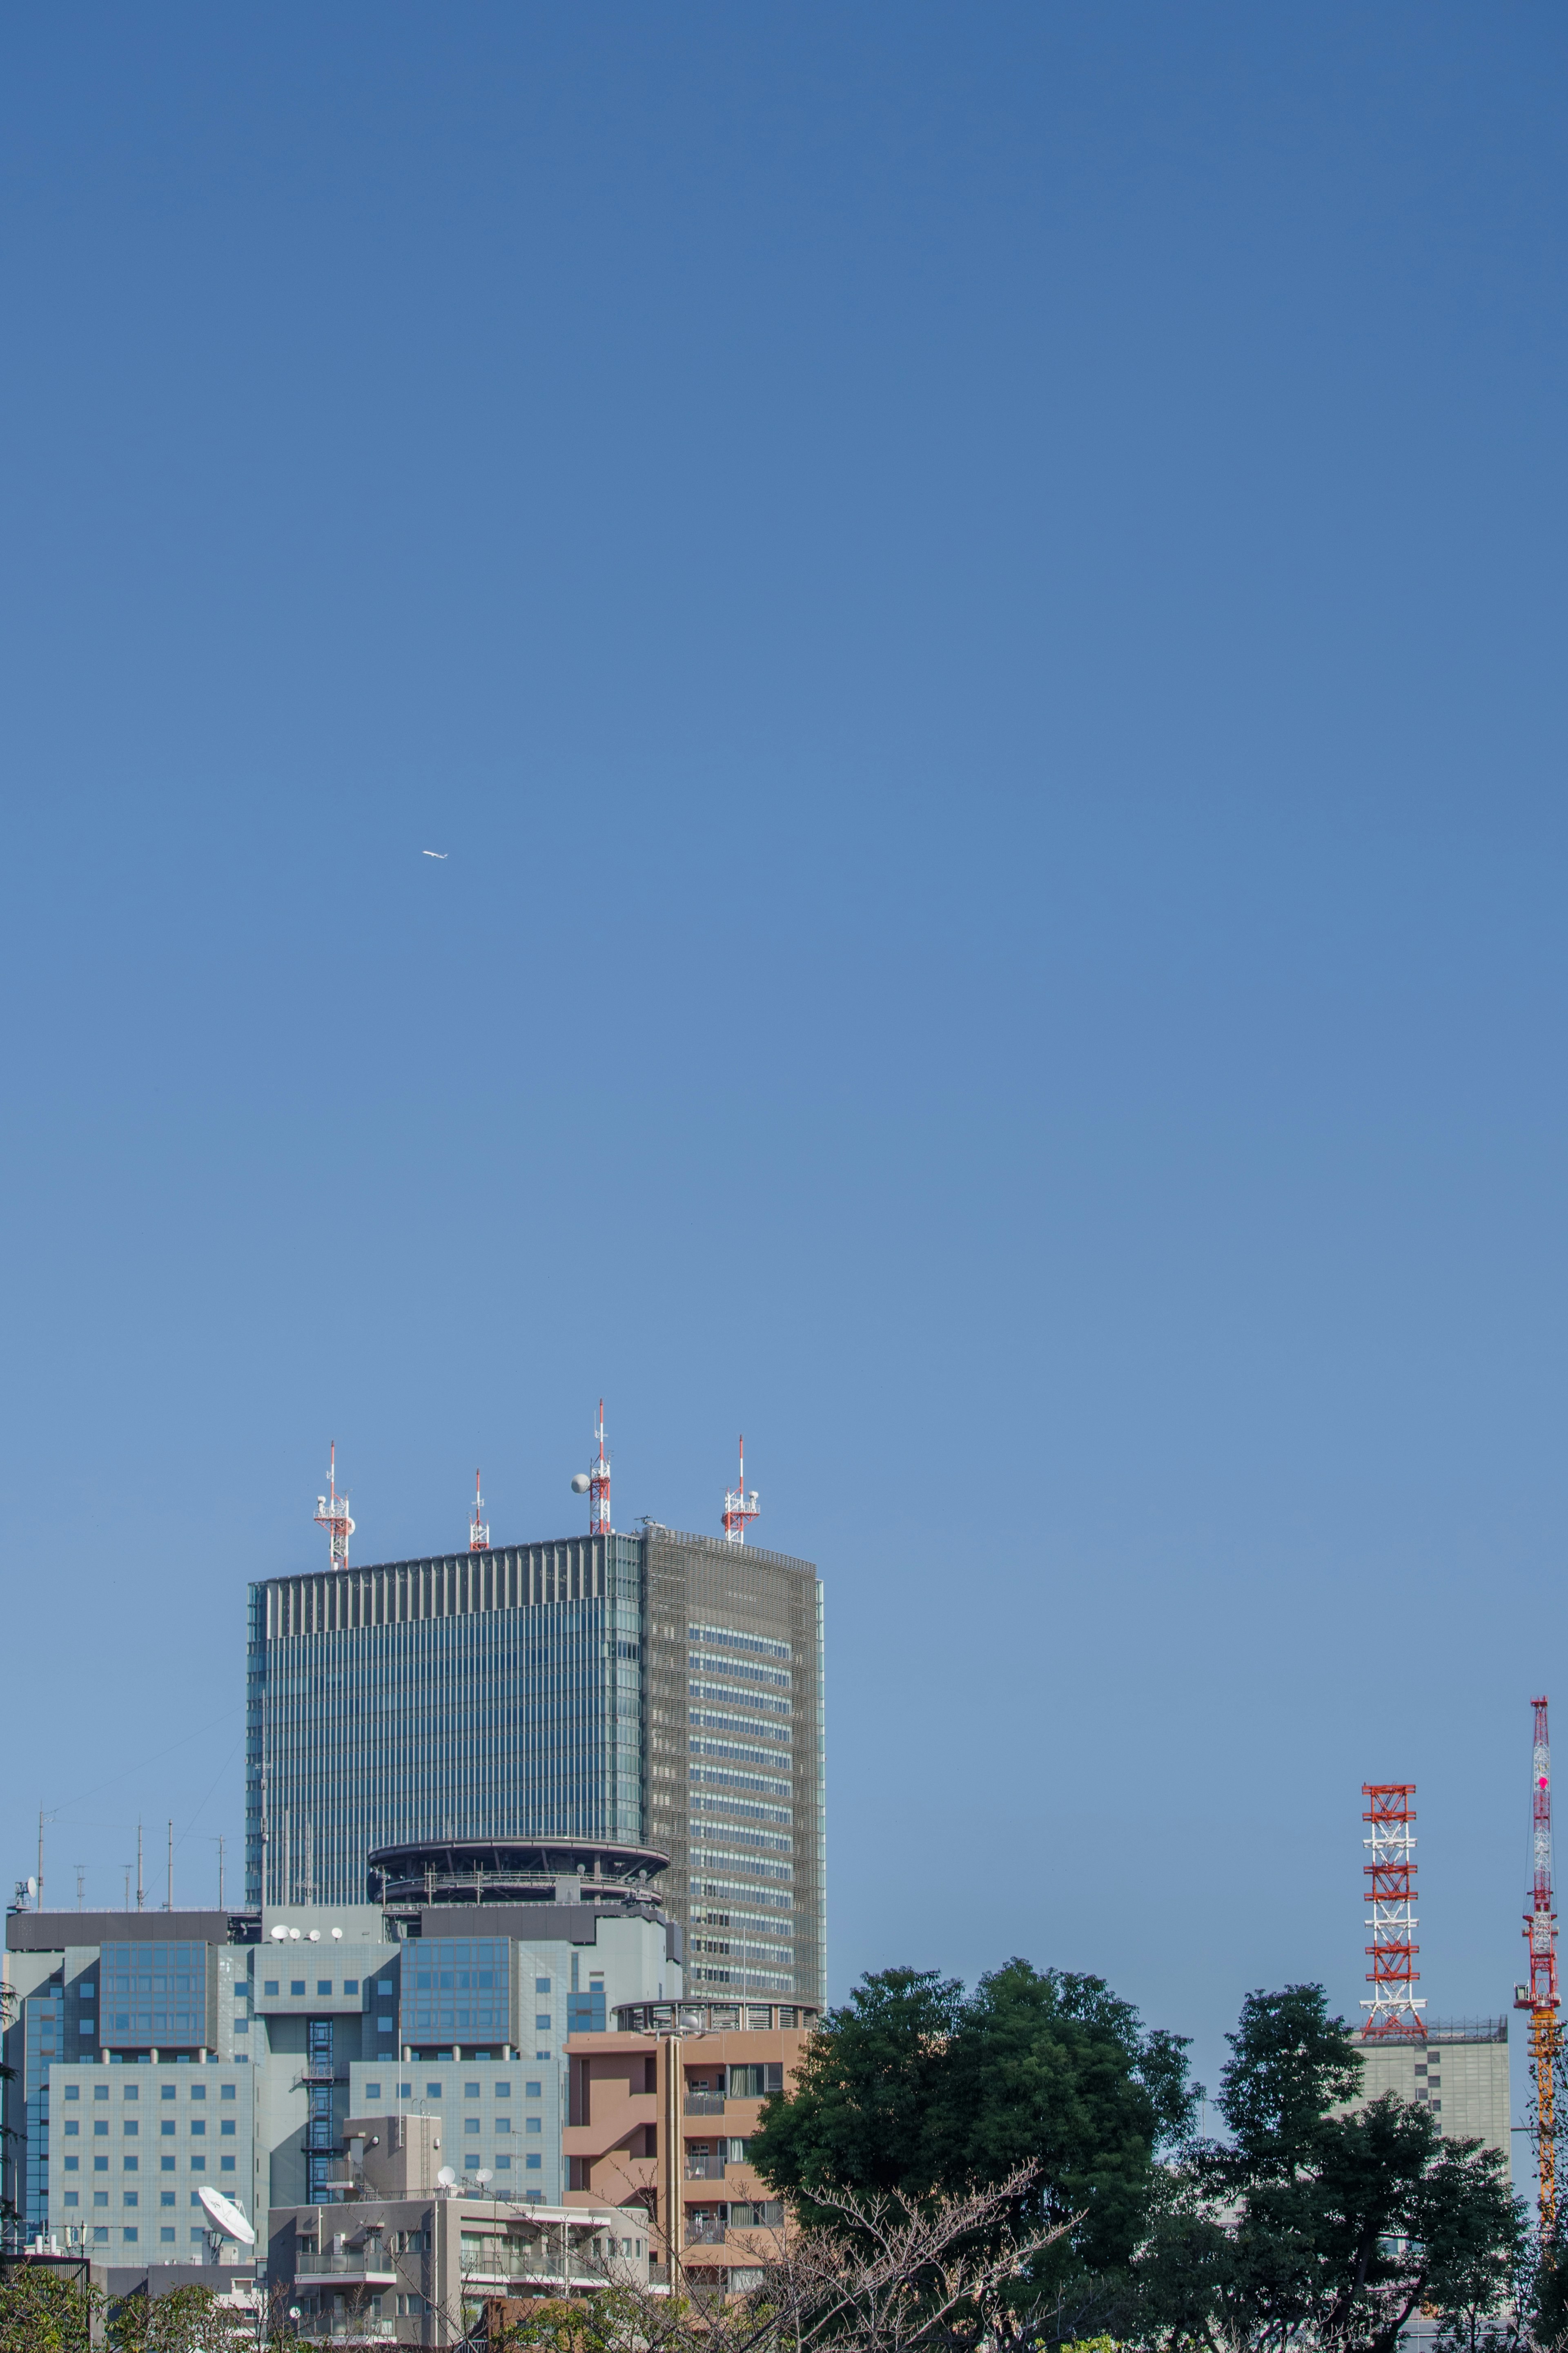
{"x": 652, "y": 1691}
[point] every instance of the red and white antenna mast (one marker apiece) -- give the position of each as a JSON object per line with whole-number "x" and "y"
{"x": 1540, "y": 1997}
{"x": 739, "y": 1507}
{"x": 599, "y": 1484}
{"x": 478, "y": 1526}
{"x": 332, "y": 1514}
{"x": 1392, "y": 1871}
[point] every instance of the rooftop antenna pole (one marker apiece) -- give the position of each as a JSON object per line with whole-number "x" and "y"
{"x": 599, "y": 1484}
{"x": 140, "y": 1892}
{"x": 169, "y": 1899}
{"x": 480, "y": 1527}
{"x": 1540, "y": 1994}
{"x": 1393, "y": 2010}
{"x": 332, "y": 1514}
{"x": 740, "y": 1507}
{"x": 81, "y": 1885}
{"x": 220, "y": 1874}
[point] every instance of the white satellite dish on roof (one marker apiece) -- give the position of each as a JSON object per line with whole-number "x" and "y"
{"x": 447, "y": 2177}
{"x": 337, "y": 1935}
{"x": 226, "y": 2215}
{"x": 484, "y": 2175}
{"x": 313, "y": 1937}
{"x": 280, "y": 1936}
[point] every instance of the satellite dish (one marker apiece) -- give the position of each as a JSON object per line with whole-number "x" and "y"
{"x": 293, "y": 1936}
{"x": 337, "y": 1935}
{"x": 581, "y": 1483}
{"x": 32, "y": 1888}
{"x": 484, "y": 2175}
{"x": 280, "y": 1936}
{"x": 447, "y": 2177}
{"x": 313, "y": 1937}
{"x": 226, "y": 2215}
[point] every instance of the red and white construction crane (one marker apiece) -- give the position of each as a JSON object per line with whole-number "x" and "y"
{"x": 1540, "y": 1996}
{"x": 1394, "y": 2011}
{"x": 478, "y": 1526}
{"x": 739, "y": 1507}
{"x": 332, "y": 1514}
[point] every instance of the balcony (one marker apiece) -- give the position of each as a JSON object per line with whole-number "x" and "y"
{"x": 346, "y": 2267}
{"x": 704, "y": 2168}
{"x": 704, "y": 2104}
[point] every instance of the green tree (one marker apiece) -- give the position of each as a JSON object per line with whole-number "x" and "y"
{"x": 916, "y": 2088}
{"x": 1318, "y": 2224}
{"x": 45, "y": 2310}
{"x": 189, "y": 2319}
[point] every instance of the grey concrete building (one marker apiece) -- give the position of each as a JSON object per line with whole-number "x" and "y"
{"x": 1460, "y": 2072}
{"x": 155, "y": 2053}
{"x": 657, "y": 1691}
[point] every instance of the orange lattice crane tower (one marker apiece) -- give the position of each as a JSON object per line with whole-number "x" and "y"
{"x": 332, "y": 1514}
{"x": 1394, "y": 2011}
{"x": 1540, "y": 1996}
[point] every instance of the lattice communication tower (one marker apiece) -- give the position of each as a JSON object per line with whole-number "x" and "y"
{"x": 1540, "y": 1996}
{"x": 1393, "y": 2011}
{"x": 332, "y": 1514}
{"x": 599, "y": 1484}
{"x": 739, "y": 1507}
{"x": 478, "y": 1526}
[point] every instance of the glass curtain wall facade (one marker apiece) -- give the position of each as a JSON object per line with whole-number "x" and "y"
{"x": 475, "y": 1695}
{"x": 661, "y": 1689}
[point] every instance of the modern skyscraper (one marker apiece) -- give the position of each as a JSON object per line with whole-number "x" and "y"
{"x": 656, "y": 1690}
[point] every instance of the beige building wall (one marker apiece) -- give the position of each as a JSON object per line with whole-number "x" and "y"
{"x": 1460, "y": 2072}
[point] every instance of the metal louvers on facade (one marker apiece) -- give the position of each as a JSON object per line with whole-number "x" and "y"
{"x": 486, "y": 1694}
{"x": 734, "y": 1653}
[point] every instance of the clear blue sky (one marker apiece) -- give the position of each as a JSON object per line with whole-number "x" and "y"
{"x": 976, "y": 600}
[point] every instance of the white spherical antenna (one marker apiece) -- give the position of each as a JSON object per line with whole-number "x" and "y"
{"x": 226, "y": 2215}
{"x": 581, "y": 1483}
{"x": 447, "y": 2177}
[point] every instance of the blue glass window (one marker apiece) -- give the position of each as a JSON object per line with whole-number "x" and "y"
{"x": 296, "y": 1984}
{"x": 269, "y": 1985}
{"x": 73, "y": 2164}
{"x": 324, "y": 1986}
{"x": 533, "y": 2163}
{"x": 373, "y": 2091}
{"x": 459, "y": 1991}
{"x": 531, "y": 2091}
{"x": 541, "y": 1985}
{"x": 72, "y": 2198}
{"x": 503, "y": 2165}
{"x": 351, "y": 1984}
{"x": 166, "y": 2235}
{"x": 165, "y": 2198}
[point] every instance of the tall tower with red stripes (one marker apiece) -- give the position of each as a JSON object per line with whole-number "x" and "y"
{"x": 478, "y": 1526}
{"x": 1540, "y": 1997}
{"x": 1393, "y": 2011}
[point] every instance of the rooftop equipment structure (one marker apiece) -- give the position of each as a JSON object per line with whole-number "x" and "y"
{"x": 599, "y": 1484}
{"x": 739, "y": 1507}
{"x": 478, "y": 1528}
{"x": 332, "y": 1514}
{"x": 1540, "y": 1996}
{"x": 1392, "y": 2009}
